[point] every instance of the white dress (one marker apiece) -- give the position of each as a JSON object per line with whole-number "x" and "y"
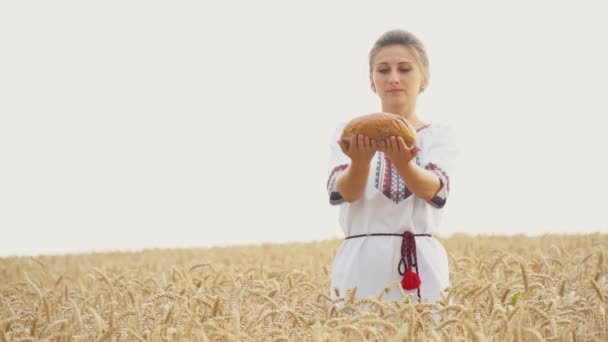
{"x": 371, "y": 263}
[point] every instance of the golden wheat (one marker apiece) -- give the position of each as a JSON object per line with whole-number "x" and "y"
{"x": 553, "y": 288}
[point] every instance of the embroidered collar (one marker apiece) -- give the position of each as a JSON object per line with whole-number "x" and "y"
{"x": 423, "y": 127}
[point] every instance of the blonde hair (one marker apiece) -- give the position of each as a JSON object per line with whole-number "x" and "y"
{"x": 410, "y": 41}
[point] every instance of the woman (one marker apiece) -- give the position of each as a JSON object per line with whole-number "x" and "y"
{"x": 391, "y": 196}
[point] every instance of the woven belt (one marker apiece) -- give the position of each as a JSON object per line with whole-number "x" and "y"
{"x": 408, "y": 260}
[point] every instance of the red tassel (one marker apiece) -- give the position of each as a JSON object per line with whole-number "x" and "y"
{"x": 411, "y": 280}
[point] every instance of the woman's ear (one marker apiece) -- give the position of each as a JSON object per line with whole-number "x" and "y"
{"x": 423, "y": 86}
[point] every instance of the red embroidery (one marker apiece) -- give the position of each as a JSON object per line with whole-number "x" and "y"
{"x": 386, "y": 186}
{"x": 423, "y": 127}
{"x": 334, "y": 172}
{"x": 433, "y": 167}
{"x": 389, "y": 182}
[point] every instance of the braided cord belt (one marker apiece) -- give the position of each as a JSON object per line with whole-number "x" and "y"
{"x": 408, "y": 250}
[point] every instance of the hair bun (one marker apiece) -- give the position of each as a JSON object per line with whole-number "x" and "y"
{"x": 380, "y": 126}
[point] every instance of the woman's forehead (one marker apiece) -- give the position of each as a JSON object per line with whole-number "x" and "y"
{"x": 395, "y": 54}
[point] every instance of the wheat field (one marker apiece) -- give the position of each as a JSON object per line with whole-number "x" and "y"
{"x": 515, "y": 288}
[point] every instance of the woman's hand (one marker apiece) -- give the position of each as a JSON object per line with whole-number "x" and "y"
{"x": 360, "y": 149}
{"x": 396, "y": 149}
{"x": 352, "y": 182}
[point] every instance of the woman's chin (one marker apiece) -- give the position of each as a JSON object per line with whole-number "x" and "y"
{"x": 395, "y": 101}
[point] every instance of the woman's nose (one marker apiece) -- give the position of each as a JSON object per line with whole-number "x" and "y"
{"x": 394, "y": 77}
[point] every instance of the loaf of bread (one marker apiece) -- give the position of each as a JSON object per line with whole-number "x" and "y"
{"x": 380, "y": 126}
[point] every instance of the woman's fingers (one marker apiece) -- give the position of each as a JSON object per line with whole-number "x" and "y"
{"x": 359, "y": 143}
{"x": 363, "y": 143}
{"x": 395, "y": 147}
{"x": 363, "y": 140}
{"x": 414, "y": 150}
{"x": 353, "y": 142}
{"x": 343, "y": 146}
{"x": 394, "y": 144}
{"x": 368, "y": 144}
{"x": 402, "y": 145}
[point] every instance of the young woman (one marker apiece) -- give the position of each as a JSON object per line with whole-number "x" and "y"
{"x": 391, "y": 196}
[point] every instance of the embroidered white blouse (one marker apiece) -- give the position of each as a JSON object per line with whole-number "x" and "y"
{"x": 370, "y": 263}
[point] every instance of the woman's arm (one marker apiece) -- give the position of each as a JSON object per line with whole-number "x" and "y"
{"x": 422, "y": 183}
{"x": 352, "y": 182}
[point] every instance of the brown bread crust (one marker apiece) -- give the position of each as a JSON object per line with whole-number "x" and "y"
{"x": 380, "y": 126}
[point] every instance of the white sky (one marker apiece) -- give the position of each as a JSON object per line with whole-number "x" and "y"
{"x": 129, "y": 125}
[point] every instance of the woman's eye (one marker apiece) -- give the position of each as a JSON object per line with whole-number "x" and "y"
{"x": 404, "y": 70}
{"x": 383, "y": 71}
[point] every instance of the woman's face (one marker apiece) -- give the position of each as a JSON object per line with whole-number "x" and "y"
{"x": 396, "y": 76}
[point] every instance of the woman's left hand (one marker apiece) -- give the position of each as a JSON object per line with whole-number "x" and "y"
{"x": 396, "y": 149}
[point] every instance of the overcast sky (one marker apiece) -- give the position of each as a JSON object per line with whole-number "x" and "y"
{"x": 130, "y": 125}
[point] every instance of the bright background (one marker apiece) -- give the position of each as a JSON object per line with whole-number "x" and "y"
{"x": 144, "y": 124}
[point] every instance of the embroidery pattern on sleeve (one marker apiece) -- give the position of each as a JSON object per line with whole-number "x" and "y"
{"x": 440, "y": 198}
{"x": 442, "y": 175}
{"x": 334, "y": 196}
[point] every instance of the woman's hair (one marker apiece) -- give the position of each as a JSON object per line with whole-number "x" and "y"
{"x": 410, "y": 41}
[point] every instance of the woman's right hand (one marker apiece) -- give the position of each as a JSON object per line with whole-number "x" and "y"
{"x": 360, "y": 149}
